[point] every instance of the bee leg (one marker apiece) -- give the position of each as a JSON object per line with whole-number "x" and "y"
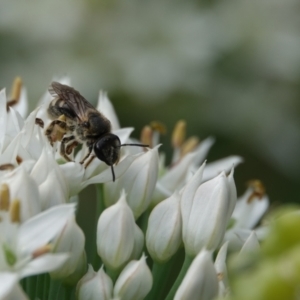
{"x": 70, "y": 147}
{"x": 56, "y": 135}
{"x": 39, "y": 122}
{"x": 63, "y": 147}
{"x": 89, "y": 161}
{"x": 88, "y": 154}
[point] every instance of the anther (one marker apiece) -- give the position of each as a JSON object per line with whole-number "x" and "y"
{"x": 146, "y": 136}
{"x": 14, "y": 211}
{"x": 258, "y": 189}
{"x": 4, "y": 197}
{"x": 189, "y": 145}
{"x": 178, "y": 135}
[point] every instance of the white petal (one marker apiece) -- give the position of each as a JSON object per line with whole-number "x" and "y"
{"x": 251, "y": 244}
{"x": 3, "y": 118}
{"x": 224, "y": 164}
{"x": 39, "y": 230}
{"x": 43, "y": 264}
{"x": 8, "y": 281}
{"x": 107, "y": 109}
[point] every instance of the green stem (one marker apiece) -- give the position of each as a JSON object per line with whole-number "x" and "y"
{"x": 40, "y": 286}
{"x": 68, "y": 292}
{"x": 160, "y": 274}
{"x": 31, "y": 286}
{"x": 46, "y": 287}
{"x": 54, "y": 289}
{"x": 186, "y": 264}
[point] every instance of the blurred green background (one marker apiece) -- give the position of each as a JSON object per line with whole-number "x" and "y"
{"x": 231, "y": 68}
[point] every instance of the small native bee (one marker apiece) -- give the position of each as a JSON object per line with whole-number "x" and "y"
{"x": 76, "y": 121}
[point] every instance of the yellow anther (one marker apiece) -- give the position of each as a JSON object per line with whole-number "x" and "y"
{"x": 189, "y": 145}
{"x": 16, "y": 89}
{"x": 258, "y": 189}
{"x": 14, "y": 211}
{"x": 178, "y": 135}
{"x": 146, "y": 136}
{"x": 158, "y": 126}
{"x": 4, "y": 197}
{"x": 42, "y": 250}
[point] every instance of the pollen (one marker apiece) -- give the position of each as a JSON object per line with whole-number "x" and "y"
{"x": 179, "y": 133}
{"x": 258, "y": 190}
{"x": 14, "y": 211}
{"x": 158, "y": 126}
{"x": 4, "y": 197}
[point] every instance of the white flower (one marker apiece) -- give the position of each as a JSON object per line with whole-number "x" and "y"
{"x": 135, "y": 281}
{"x": 94, "y": 286}
{"x": 71, "y": 240}
{"x": 23, "y": 188}
{"x": 138, "y": 182}
{"x": 164, "y": 230}
{"x": 139, "y": 241}
{"x": 221, "y": 269}
{"x": 249, "y": 209}
{"x": 9, "y": 287}
{"x": 206, "y": 213}
{"x": 200, "y": 281}
{"x": 116, "y": 234}
{"x": 24, "y": 247}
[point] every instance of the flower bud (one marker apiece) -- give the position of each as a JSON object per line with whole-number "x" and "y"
{"x": 163, "y": 236}
{"x": 116, "y": 234}
{"x": 221, "y": 269}
{"x": 70, "y": 240}
{"x": 135, "y": 281}
{"x": 251, "y": 244}
{"x": 205, "y": 217}
{"x": 47, "y": 175}
{"x": 200, "y": 281}
{"x": 94, "y": 286}
{"x": 138, "y": 181}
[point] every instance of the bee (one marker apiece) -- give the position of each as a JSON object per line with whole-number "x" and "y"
{"x": 75, "y": 121}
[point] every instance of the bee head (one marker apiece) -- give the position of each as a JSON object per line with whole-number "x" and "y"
{"x": 107, "y": 149}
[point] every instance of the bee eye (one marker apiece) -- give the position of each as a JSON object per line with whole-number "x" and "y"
{"x": 86, "y": 124}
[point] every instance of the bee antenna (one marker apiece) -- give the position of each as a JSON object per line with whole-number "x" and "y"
{"x": 113, "y": 172}
{"x": 138, "y": 145}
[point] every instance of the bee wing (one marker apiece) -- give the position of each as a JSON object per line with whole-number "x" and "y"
{"x": 71, "y": 100}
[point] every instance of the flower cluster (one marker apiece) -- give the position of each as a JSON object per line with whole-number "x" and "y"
{"x": 146, "y": 221}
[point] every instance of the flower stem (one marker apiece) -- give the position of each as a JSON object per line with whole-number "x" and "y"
{"x": 31, "y": 286}
{"x": 186, "y": 264}
{"x": 46, "y": 287}
{"x": 40, "y": 286}
{"x": 160, "y": 274}
{"x": 54, "y": 289}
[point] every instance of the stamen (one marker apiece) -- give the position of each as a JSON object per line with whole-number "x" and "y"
{"x": 19, "y": 159}
{"x": 14, "y": 211}
{"x": 42, "y": 250}
{"x": 158, "y": 126}
{"x": 189, "y": 145}
{"x": 4, "y": 197}
{"x": 16, "y": 90}
{"x": 178, "y": 135}
{"x": 258, "y": 188}
{"x": 147, "y": 135}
